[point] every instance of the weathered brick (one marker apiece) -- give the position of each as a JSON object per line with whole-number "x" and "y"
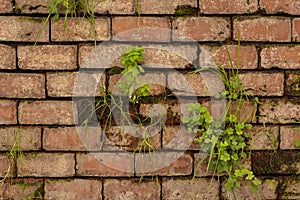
{"x": 289, "y": 135}
{"x": 73, "y": 189}
{"x": 115, "y": 7}
{"x": 281, "y": 6}
{"x": 32, "y": 6}
{"x": 267, "y": 190}
{"x": 105, "y": 164}
{"x": 7, "y": 166}
{"x": 8, "y": 112}
{"x": 289, "y": 188}
{"x": 22, "y": 29}
{"x": 47, "y": 57}
{"x": 292, "y": 82}
{"x": 67, "y": 84}
{"x": 264, "y": 137}
{"x": 281, "y": 57}
{"x": 47, "y": 112}
{"x": 199, "y": 188}
{"x": 263, "y": 83}
{"x": 262, "y": 29}
{"x": 80, "y": 30}
{"x": 45, "y": 164}
{"x": 164, "y": 164}
{"x": 157, "y": 82}
{"x": 122, "y": 29}
{"x": 6, "y": 6}
{"x": 8, "y": 57}
{"x": 296, "y": 30}
{"x": 280, "y": 111}
{"x": 16, "y": 85}
{"x": 22, "y": 189}
{"x": 247, "y": 59}
{"x": 24, "y": 138}
{"x": 228, "y": 7}
{"x": 131, "y": 189}
{"x": 201, "y": 29}
{"x": 167, "y": 7}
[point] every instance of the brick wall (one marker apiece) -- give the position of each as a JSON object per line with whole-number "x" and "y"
{"x": 36, "y": 90}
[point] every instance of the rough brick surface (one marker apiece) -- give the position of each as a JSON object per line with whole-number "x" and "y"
{"x": 289, "y": 135}
{"x": 292, "y": 86}
{"x": 79, "y": 30}
{"x": 247, "y": 59}
{"x": 280, "y": 111}
{"x": 263, "y": 83}
{"x": 131, "y": 189}
{"x": 8, "y": 112}
{"x": 47, "y": 112}
{"x": 262, "y": 29}
{"x": 264, "y": 137}
{"x": 165, "y": 6}
{"x": 73, "y": 189}
{"x": 8, "y": 57}
{"x": 126, "y": 28}
{"x": 16, "y": 85}
{"x": 22, "y": 29}
{"x": 116, "y": 7}
{"x": 281, "y": 6}
{"x": 44, "y": 164}
{"x": 199, "y": 188}
{"x": 47, "y": 57}
{"x": 296, "y": 30}
{"x": 105, "y": 164}
{"x": 25, "y": 138}
{"x": 7, "y": 166}
{"x": 6, "y": 6}
{"x": 290, "y": 188}
{"x": 228, "y": 7}
{"x": 32, "y": 6}
{"x": 281, "y": 57}
{"x": 201, "y": 29}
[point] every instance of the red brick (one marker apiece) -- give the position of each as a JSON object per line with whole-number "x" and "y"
{"x": 228, "y": 7}
{"x": 262, "y": 29}
{"x": 115, "y": 7}
{"x": 23, "y": 29}
{"x": 16, "y": 85}
{"x": 73, "y": 189}
{"x": 47, "y": 57}
{"x": 281, "y": 6}
{"x": 6, "y": 6}
{"x": 264, "y": 137}
{"x": 7, "y": 166}
{"x": 165, "y": 6}
{"x": 8, "y": 57}
{"x": 22, "y": 189}
{"x": 248, "y": 58}
{"x": 45, "y": 164}
{"x": 105, "y": 164}
{"x": 201, "y": 29}
{"x": 292, "y": 82}
{"x": 296, "y": 30}
{"x": 163, "y": 164}
{"x": 122, "y": 29}
{"x": 290, "y": 188}
{"x": 289, "y": 135}
{"x": 32, "y": 6}
{"x": 78, "y": 29}
{"x": 199, "y": 188}
{"x": 8, "y": 112}
{"x": 280, "y": 111}
{"x": 131, "y": 189}
{"x": 281, "y": 56}
{"x": 67, "y": 84}
{"x": 267, "y": 190}
{"x": 200, "y": 84}
{"x": 47, "y": 112}
{"x": 25, "y": 138}
{"x": 263, "y": 83}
